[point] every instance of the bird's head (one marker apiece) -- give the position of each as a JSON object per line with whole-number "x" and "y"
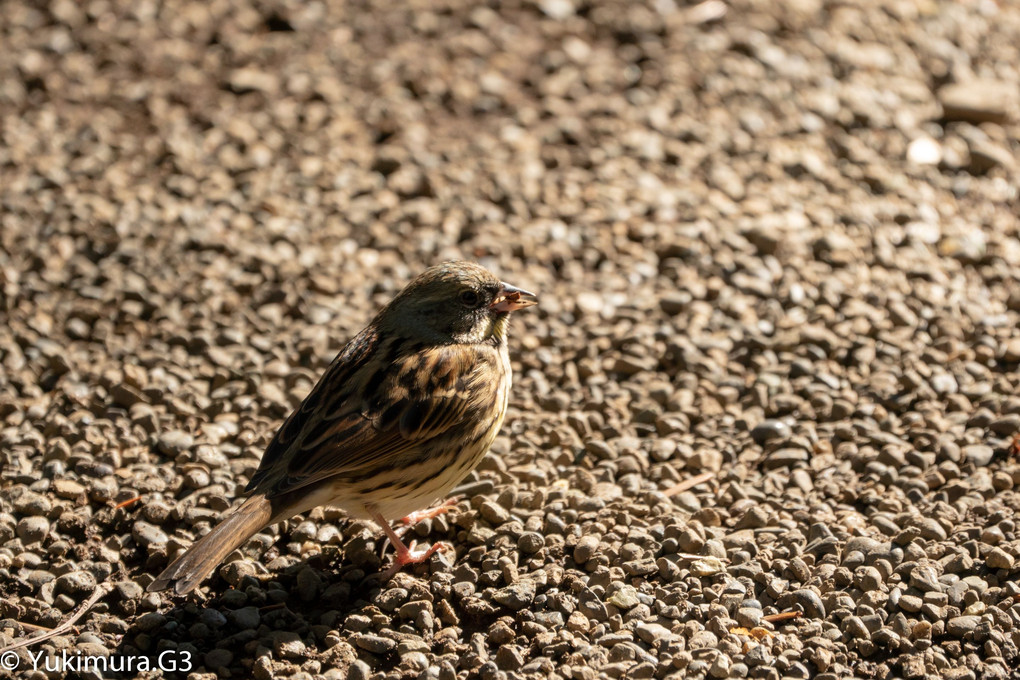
{"x": 455, "y": 302}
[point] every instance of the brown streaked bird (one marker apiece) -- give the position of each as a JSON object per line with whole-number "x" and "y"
{"x": 405, "y": 411}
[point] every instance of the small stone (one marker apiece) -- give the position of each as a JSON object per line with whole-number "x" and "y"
{"x": 962, "y": 625}
{"x": 557, "y": 9}
{"x": 748, "y": 617}
{"x": 75, "y": 583}
{"x": 150, "y": 622}
{"x": 985, "y": 156}
{"x": 309, "y": 584}
{"x": 578, "y": 622}
{"x": 624, "y": 598}
{"x": 37, "y": 577}
{"x": 174, "y": 442}
{"x": 652, "y": 632}
{"x": 375, "y": 643}
{"x": 770, "y": 429}
{"x": 530, "y": 542}
{"x": 411, "y": 610}
{"x": 244, "y": 80}
{"x": 415, "y": 661}
{"x": 246, "y": 618}
{"x": 720, "y": 667}
{"x": 910, "y": 603}
{"x": 359, "y": 670}
{"x": 1006, "y": 425}
{"x": 516, "y": 596}
{"x": 585, "y": 549}
{"x": 979, "y": 455}
{"x": 930, "y": 529}
{"x": 808, "y": 601}
{"x": 925, "y": 578}
{"x": 235, "y": 572}
{"x": 509, "y": 658}
{"x": 494, "y": 513}
{"x": 129, "y": 590}
{"x": 148, "y": 534}
{"x": 288, "y": 645}
{"x": 784, "y": 458}
{"x": 998, "y": 558}
{"x": 707, "y": 566}
{"x": 218, "y": 658}
{"x": 912, "y": 666}
{"x": 588, "y": 302}
{"x": 924, "y": 151}
{"x": 980, "y": 100}
{"x": 68, "y": 488}
{"x": 33, "y": 529}
{"x": 674, "y": 302}
{"x": 1011, "y": 349}
{"x": 631, "y": 365}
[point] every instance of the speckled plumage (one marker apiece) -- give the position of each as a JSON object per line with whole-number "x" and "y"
{"x": 405, "y": 411}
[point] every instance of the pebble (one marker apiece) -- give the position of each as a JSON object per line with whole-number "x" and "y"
{"x": 925, "y": 578}
{"x": 979, "y": 455}
{"x": 175, "y": 442}
{"x": 978, "y": 100}
{"x": 652, "y": 632}
{"x": 494, "y": 513}
{"x": 585, "y": 549}
{"x": 625, "y": 597}
{"x": 67, "y": 488}
{"x": 997, "y": 558}
{"x": 375, "y": 643}
{"x": 516, "y": 596}
{"x": 924, "y": 151}
{"x": 962, "y": 625}
{"x": 33, "y": 529}
{"x": 288, "y": 645}
{"x": 784, "y": 458}
{"x": 808, "y": 600}
{"x": 246, "y": 618}
{"x": 218, "y": 658}
{"x": 770, "y": 429}
{"x": 147, "y": 534}
{"x": 76, "y": 584}
{"x": 531, "y": 542}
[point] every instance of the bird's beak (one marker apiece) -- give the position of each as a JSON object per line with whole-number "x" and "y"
{"x": 511, "y": 298}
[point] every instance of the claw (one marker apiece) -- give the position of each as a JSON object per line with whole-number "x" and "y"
{"x": 410, "y": 555}
{"x": 429, "y": 513}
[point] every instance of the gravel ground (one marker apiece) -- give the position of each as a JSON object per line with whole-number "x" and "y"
{"x": 775, "y": 370}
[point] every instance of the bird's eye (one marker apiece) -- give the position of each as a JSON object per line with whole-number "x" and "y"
{"x": 469, "y": 298}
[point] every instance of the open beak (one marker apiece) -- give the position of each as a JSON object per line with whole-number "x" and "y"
{"x": 511, "y": 298}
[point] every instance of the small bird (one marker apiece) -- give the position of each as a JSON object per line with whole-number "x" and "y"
{"x": 405, "y": 411}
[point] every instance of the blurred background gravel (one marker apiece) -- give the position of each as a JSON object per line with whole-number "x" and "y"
{"x": 777, "y": 250}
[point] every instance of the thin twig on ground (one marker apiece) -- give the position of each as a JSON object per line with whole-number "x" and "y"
{"x": 100, "y": 591}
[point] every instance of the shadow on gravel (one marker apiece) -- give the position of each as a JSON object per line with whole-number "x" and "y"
{"x": 237, "y": 632}
{"x": 292, "y": 615}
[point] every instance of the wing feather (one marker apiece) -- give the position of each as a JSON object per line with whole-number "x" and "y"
{"x": 364, "y": 416}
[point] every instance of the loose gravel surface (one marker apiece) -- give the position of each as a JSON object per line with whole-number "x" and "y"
{"x": 763, "y": 419}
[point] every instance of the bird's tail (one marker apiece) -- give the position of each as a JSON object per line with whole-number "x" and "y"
{"x": 191, "y": 568}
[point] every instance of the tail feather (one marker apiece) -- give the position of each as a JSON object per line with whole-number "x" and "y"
{"x": 191, "y": 568}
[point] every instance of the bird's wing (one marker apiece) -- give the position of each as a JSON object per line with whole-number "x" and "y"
{"x": 339, "y": 376}
{"x": 371, "y": 409}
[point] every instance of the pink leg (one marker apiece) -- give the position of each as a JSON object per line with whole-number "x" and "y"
{"x": 405, "y": 555}
{"x": 429, "y": 513}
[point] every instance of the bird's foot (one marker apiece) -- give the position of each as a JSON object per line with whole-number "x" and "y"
{"x": 412, "y": 555}
{"x": 405, "y": 555}
{"x": 415, "y": 555}
{"x": 429, "y": 513}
